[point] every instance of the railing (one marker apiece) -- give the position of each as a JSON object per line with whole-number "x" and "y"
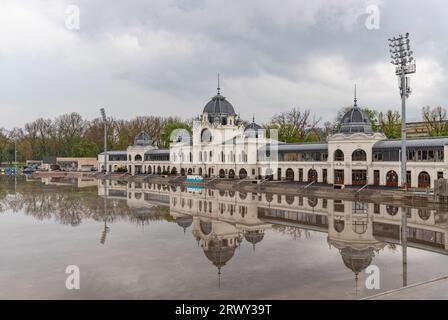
{"x": 309, "y": 184}
{"x": 360, "y": 189}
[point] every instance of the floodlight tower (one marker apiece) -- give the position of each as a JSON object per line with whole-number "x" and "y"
{"x": 401, "y": 55}
{"x": 103, "y": 115}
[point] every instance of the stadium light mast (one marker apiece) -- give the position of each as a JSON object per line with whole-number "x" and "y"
{"x": 103, "y": 116}
{"x": 401, "y": 55}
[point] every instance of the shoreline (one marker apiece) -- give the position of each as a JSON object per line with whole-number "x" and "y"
{"x": 380, "y": 195}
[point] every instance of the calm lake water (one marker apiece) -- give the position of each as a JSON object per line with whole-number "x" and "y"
{"x": 146, "y": 241}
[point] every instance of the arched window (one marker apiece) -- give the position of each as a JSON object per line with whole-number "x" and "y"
{"x": 312, "y": 175}
{"x": 359, "y": 155}
{"x": 392, "y": 178}
{"x": 424, "y": 214}
{"x": 392, "y": 210}
{"x": 359, "y": 227}
{"x": 338, "y": 155}
{"x": 222, "y": 173}
{"x": 312, "y": 202}
{"x": 206, "y": 227}
{"x": 289, "y": 174}
{"x": 289, "y": 199}
{"x": 206, "y": 135}
{"x": 231, "y": 174}
{"x": 339, "y": 225}
{"x": 243, "y": 156}
{"x": 243, "y": 173}
{"x": 191, "y": 157}
{"x": 424, "y": 180}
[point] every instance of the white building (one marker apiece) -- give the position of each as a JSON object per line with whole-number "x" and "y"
{"x": 221, "y": 146}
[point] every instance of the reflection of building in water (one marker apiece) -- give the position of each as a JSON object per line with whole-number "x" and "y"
{"x": 78, "y": 182}
{"x": 221, "y": 220}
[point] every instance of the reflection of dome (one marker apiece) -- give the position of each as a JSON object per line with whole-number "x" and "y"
{"x": 184, "y": 221}
{"x": 219, "y": 106}
{"x": 357, "y": 260}
{"x": 253, "y": 236}
{"x": 142, "y": 139}
{"x": 219, "y": 255}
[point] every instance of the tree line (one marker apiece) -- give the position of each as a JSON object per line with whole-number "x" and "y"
{"x": 302, "y": 126}
{"x": 70, "y": 135}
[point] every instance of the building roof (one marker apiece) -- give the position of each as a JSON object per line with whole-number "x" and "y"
{"x": 252, "y": 129}
{"x": 142, "y": 139}
{"x": 412, "y": 143}
{"x": 116, "y": 152}
{"x": 356, "y": 120}
{"x": 303, "y": 147}
{"x": 158, "y": 151}
{"x": 219, "y": 105}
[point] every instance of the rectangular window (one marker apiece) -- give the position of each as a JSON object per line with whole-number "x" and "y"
{"x": 376, "y": 208}
{"x": 440, "y": 175}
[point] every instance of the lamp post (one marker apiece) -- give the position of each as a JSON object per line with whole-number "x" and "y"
{"x": 103, "y": 115}
{"x": 401, "y": 55}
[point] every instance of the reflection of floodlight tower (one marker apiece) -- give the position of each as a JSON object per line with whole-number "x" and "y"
{"x": 401, "y": 55}
{"x": 104, "y": 233}
{"x": 103, "y": 115}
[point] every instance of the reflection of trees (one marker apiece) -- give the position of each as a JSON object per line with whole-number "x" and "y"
{"x": 293, "y": 232}
{"x": 69, "y": 205}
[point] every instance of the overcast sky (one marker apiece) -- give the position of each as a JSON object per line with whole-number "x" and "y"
{"x": 154, "y": 57}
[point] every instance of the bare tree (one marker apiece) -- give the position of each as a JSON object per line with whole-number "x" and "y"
{"x": 435, "y": 120}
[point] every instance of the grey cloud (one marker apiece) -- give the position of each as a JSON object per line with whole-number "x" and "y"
{"x": 161, "y": 57}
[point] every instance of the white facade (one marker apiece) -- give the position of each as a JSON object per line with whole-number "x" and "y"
{"x": 221, "y": 146}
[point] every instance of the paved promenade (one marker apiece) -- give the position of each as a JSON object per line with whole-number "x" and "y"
{"x": 436, "y": 289}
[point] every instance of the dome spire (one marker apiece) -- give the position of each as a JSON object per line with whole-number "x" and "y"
{"x": 219, "y": 89}
{"x": 355, "y": 100}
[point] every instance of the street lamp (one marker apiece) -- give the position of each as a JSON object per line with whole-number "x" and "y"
{"x": 103, "y": 115}
{"x": 401, "y": 55}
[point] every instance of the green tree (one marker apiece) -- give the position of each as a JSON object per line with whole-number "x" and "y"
{"x": 390, "y": 124}
{"x": 373, "y": 117}
{"x": 84, "y": 148}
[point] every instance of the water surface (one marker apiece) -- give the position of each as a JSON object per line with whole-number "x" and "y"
{"x": 147, "y": 241}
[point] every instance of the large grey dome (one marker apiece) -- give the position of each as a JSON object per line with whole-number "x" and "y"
{"x": 219, "y": 106}
{"x": 356, "y": 120}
